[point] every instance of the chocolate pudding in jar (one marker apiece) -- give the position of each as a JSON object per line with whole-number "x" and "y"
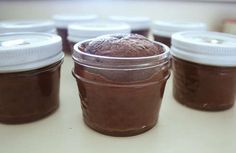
{"x": 121, "y": 81}
{"x": 89, "y": 30}
{"x": 10, "y": 26}
{"x": 139, "y": 25}
{"x": 29, "y": 76}
{"x": 163, "y": 30}
{"x": 62, "y": 22}
{"x": 204, "y": 69}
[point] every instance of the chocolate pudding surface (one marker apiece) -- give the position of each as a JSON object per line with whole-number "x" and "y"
{"x": 119, "y": 45}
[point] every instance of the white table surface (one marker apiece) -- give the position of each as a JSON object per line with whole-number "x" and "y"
{"x": 179, "y": 130}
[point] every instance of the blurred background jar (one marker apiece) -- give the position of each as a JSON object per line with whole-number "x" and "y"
{"x": 83, "y": 31}
{"x": 10, "y": 26}
{"x": 62, "y": 21}
{"x": 139, "y": 24}
{"x": 163, "y": 30}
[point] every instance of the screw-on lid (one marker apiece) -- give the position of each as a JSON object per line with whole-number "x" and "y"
{"x": 62, "y": 21}
{"x": 26, "y": 26}
{"x": 83, "y": 31}
{"x": 209, "y": 48}
{"x": 135, "y": 22}
{"x": 28, "y": 51}
{"x": 167, "y": 28}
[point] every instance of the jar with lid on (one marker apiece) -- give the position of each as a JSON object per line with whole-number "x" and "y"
{"x": 139, "y": 24}
{"x": 29, "y": 76}
{"x": 163, "y": 30}
{"x": 80, "y": 32}
{"x": 10, "y": 26}
{"x": 63, "y": 20}
{"x": 204, "y": 69}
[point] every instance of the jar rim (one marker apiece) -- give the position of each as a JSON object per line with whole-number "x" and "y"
{"x": 119, "y": 62}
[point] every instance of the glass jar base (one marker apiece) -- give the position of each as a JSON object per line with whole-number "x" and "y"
{"x": 204, "y": 107}
{"x": 119, "y": 133}
{"x": 27, "y": 119}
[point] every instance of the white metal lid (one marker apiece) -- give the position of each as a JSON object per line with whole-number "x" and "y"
{"x": 83, "y": 31}
{"x": 28, "y": 51}
{"x": 63, "y": 20}
{"x": 26, "y": 26}
{"x": 135, "y": 22}
{"x": 209, "y": 48}
{"x": 167, "y": 28}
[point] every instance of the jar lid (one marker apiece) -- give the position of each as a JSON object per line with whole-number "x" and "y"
{"x": 83, "y": 31}
{"x": 209, "y": 48}
{"x": 62, "y": 21}
{"x": 167, "y": 28}
{"x": 26, "y": 26}
{"x": 28, "y": 51}
{"x": 135, "y": 22}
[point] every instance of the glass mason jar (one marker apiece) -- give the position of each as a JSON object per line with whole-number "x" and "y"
{"x": 163, "y": 30}
{"x": 83, "y": 31}
{"x": 139, "y": 24}
{"x": 120, "y": 96}
{"x": 29, "y": 76}
{"x": 63, "y": 20}
{"x": 10, "y": 26}
{"x": 204, "y": 70}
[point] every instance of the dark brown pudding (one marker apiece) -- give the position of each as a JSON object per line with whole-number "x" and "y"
{"x": 122, "y": 46}
{"x": 121, "y": 81}
{"x": 29, "y": 96}
{"x": 204, "y": 87}
{"x": 204, "y": 70}
{"x": 164, "y": 40}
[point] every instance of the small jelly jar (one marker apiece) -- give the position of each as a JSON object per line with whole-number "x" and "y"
{"x": 10, "y": 26}
{"x": 163, "y": 30}
{"x": 89, "y": 30}
{"x": 139, "y": 24}
{"x": 29, "y": 76}
{"x": 204, "y": 69}
{"x": 120, "y": 96}
{"x": 63, "y": 20}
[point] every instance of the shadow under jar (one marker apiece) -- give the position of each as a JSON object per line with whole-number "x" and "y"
{"x": 120, "y": 96}
{"x": 62, "y": 22}
{"x": 204, "y": 70}
{"x": 29, "y": 76}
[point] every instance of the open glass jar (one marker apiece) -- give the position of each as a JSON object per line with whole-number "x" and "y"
{"x": 120, "y": 96}
{"x": 29, "y": 76}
